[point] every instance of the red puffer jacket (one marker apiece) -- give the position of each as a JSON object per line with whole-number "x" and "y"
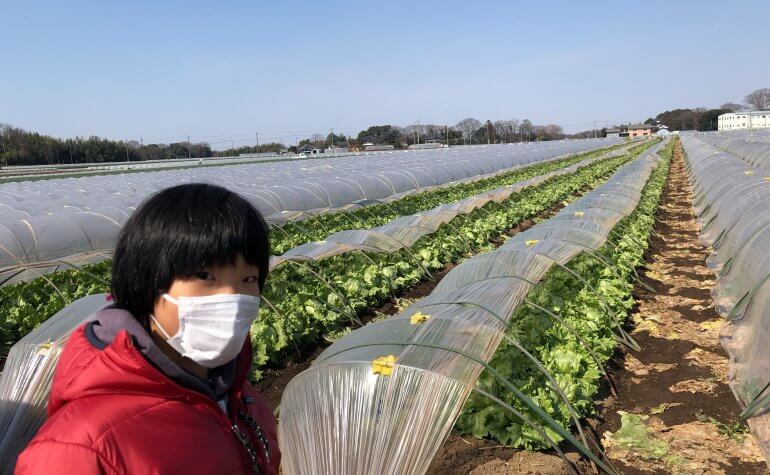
{"x": 111, "y": 411}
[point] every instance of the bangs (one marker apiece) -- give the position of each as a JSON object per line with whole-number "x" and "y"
{"x": 213, "y": 234}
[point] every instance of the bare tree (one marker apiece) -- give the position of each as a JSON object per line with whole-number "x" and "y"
{"x": 415, "y": 133}
{"x": 732, "y": 106}
{"x": 506, "y": 130}
{"x": 501, "y": 130}
{"x": 410, "y": 133}
{"x": 491, "y": 135}
{"x": 553, "y": 132}
{"x": 697, "y": 117}
{"x": 467, "y": 127}
{"x": 514, "y": 127}
{"x": 759, "y": 99}
{"x": 525, "y": 129}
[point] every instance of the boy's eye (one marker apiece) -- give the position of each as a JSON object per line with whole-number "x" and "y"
{"x": 250, "y": 279}
{"x": 203, "y": 275}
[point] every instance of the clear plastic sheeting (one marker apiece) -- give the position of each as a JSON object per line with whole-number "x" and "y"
{"x": 750, "y": 146}
{"x": 50, "y": 220}
{"x": 732, "y": 202}
{"x": 384, "y": 398}
{"x": 403, "y": 232}
{"x": 26, "y": 378}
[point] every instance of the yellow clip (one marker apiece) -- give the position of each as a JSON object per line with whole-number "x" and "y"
{"x": 530, "y": 242}
{"x": 749, "y": 172}
{"x": 418, "y": 318}
{"x": 579, "y": 213}
{"x": 384, "y": 365}
{"x": 44, "y": 348}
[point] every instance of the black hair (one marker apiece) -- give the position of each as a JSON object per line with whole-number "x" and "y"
{"x": 176, "y": 233}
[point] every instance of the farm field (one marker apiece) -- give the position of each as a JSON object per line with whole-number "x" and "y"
{"x": 554, "y": 316}
{"x": 46, "y": 224}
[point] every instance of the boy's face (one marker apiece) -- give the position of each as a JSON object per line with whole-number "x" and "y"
{"x": 240, "y": 278}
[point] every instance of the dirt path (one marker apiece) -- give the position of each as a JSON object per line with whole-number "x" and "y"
{"x": 679, "y": 415}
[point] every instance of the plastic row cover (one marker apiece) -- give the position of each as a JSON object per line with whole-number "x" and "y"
{"x": 403, "y": 232}
{"x": 53, "y": 219}
{"x": 380, "y": 401}
{"x": 26, "y": 378}
{"x": 732, "y": 202}
{"x": 25, "y": 383}
{"x": 748, "y": 145}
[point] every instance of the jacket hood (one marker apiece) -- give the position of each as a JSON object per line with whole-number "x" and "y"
{"x": 115, "y": 355}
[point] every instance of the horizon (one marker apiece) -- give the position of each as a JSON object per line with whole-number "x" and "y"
{"x": 295, "y": 70}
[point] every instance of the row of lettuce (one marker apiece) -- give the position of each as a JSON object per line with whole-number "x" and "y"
{"x": 591, "y": 305}
{"x": 304, "y": 302}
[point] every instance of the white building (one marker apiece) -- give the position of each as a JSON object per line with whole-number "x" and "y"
{"x": 744, "y": 120}
{"x": 613, "y": 132}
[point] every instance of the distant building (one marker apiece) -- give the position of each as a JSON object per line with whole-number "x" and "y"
{"x": 257, "y": 155}
{"x": 744, "y": 120}
{"x": 431, "y": 143}
{"x": 662, "y": 131}
{"x": 639, "y": 130}
{"x": 309, "y": 149}
{"x": 340, "y": 147}
{"x": 371, "y": 147}
{"x": 613, "y": 132}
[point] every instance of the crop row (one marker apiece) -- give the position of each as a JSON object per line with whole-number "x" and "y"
{"x": 406, "y": 378}
{"x": 313, "y": 300}
{"x": 24, "y": 305}
{"x": 592, "y": 295}
{"x": 327, "y": 293}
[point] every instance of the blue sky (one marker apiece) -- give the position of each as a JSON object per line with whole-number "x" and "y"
{"x": 162, "y": 70}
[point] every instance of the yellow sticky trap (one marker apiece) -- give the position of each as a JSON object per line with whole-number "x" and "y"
{"x": 531, "y": 242}
{"x": 419, "y": 318}
{"x": 384, "y": 365}
{"x": 749, "y": 172}
{"x": 579, "y": 213}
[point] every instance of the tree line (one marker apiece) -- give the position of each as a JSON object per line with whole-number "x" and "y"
{"x": 20, "y": 147}
{"x": 704, "y": 119}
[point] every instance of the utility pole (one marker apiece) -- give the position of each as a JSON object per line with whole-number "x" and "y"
{"x": 257, "y": 134}
{"x": 447, "y": 135}
{"x": 127, "y": 157}
{"x": 188, "y": 147}
{"x": 594, "y": 129}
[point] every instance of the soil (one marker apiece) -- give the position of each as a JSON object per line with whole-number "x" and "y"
{"x": 677, "y": 380}
{"x": 464, "y": 455}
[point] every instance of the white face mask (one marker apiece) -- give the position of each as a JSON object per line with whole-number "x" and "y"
{"x": 213, "y": 328}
